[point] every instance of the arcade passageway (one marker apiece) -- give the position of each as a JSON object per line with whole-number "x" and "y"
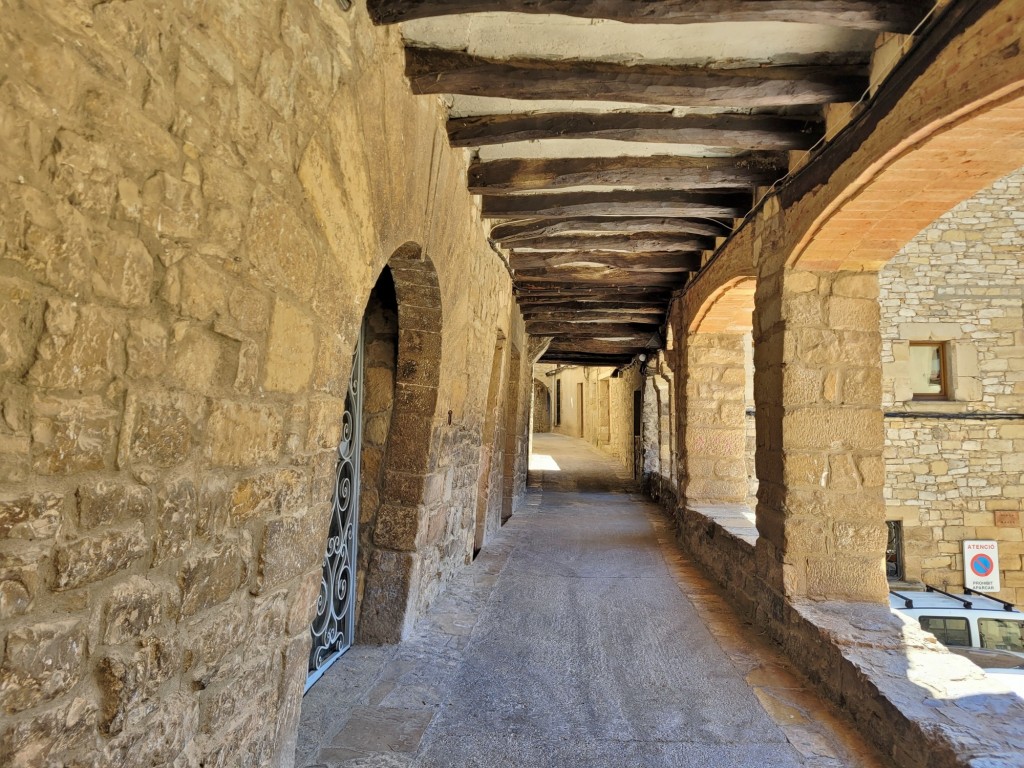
{"x": 582, "y": 637}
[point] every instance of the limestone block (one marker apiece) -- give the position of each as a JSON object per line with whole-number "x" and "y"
{"x": 41, "y": 661}
{"x": 21, "y": 325}
{"x": 128, "y": 681}
{"x": 291, "y": 546}
{"x": 302, "y": 601}
{"x": 105, "y": 502}
{"x": 162, "y": 735}
{"x": 848, "y": 577}
{"x": 133, "y": 607}
{"x": 852, "y": 428}
{"x": 203, "y": 292}
{"x": 30, "y": 516}
{"x": 176, "y": 519}
{"x": 171, "y": 207}
{"x": 242, "y": 434}
{"x": 267, "y": 493}
{"x": 388, "y": 611}
{"x": 81, "y": 349}
{"x": 19, "y": 582}
{"x": 210, "y": 577}
{"x": 50, "y": 733}
{"x": 147, "y": 348}
{"x": 98, "y": 556}
{"x": 124, "y": 271}
{"x": 291, "y": 350}
{"x": 159, "y": 428}
{"x": 853, "y": 313}
{"x": 280, "y": 246}
{"x": 397, "y": 527}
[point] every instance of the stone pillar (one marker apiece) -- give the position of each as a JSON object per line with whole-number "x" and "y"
{"x": 714, "y": 458}
{"x": 817, "y": 388}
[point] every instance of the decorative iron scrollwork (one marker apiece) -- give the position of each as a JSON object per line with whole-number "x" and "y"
{"x": 334, "y": 624}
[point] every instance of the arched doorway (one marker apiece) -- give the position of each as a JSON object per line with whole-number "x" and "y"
{"x": 370, "y": 582}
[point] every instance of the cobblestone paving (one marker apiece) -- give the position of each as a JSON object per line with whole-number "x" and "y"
{"x": 581, "y": 637}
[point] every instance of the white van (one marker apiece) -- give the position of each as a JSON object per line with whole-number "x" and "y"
{"x": 970, "y": 620}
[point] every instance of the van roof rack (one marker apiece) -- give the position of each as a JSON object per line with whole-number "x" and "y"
{"x": 930, "y": 588}
{"x": 1006, "y": 606}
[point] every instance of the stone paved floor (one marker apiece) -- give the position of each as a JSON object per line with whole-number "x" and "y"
{"x": 580, "y": 637}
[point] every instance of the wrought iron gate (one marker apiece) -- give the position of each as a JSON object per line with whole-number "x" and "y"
{"x": 334, "y": 624}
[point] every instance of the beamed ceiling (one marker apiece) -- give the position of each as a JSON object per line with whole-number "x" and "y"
{"x": 613, "y": 141}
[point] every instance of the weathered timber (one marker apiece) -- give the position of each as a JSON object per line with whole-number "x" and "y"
{"x": 569, "y": 309}
{"x": 520, "y": 231}
{"x": 601, "y": 346}
{"x": 662, "y": 172}
{"x": 591, "y": 330}
{"x": 671, "y": 260}
{"x": 597, "y": 277}
{"x": 431, "y": 70}
{"x": 601, "y": 293}
{"x": 603, "y": 361}
{"x": 610, "y": 244}
{"x": 714, "y": 205}
{"x": 590, "y": 316}
{"x": 883, "y": 16}
{"x": 752, "y": 132}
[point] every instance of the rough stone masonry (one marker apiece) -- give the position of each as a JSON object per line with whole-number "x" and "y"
{"x": 196, "y": 199}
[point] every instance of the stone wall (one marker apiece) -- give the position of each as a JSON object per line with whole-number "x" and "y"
{"x": 541, "y": 407}
{"x": 196, "y": 199}
{"x": 951, "y": 476}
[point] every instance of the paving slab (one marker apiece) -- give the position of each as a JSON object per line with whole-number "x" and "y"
{"x": 582, "y": 637}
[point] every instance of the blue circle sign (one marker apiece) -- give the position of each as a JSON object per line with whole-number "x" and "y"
{"x": 982, "y": 565}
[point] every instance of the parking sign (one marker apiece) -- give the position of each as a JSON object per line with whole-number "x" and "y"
{"x": 981, "y": 566}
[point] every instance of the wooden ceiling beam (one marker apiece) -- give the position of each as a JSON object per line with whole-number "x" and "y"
{"x": 713, "y": 205}
{"x": 521, "y": 231}
{"x": 663, "y": 172}
{"x": 594, "y": 361}
{"x": 609, "y": 244}
{"x": 748, "y": 132}
{"x": 639, "y": 333}
{"x": 569, "y": 309}
{"x": 588, "y": 317}
{"x": 540, "y": 278}
{"x": 647, "y": 295}
{"x": 435, "y": 71}
{"x": 601, "y": 347}
{"x": 882, "y": 16}
{"x": 658, "y": 261}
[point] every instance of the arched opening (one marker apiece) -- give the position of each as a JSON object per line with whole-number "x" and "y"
{"x": 822, "y": 511}
{"x": 371, "y": 572}
{"x": 541, "y": 407}
{"x": 718, "y": 460}
{"x": 952, "y": 352}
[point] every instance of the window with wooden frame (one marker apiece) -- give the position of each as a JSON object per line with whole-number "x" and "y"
{"x": 929, "y": 370}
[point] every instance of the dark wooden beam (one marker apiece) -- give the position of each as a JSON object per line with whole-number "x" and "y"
{"x": 570, "y": 309}
{"x": 431, "y": 70}
{"x": 599, "y": 346}
{"x": 882, "y": 16}
{"x": 521, "y": 231}
{"x": 663, "y": 172}
{"x": 567, "y": 277}
{"x": 594, "y": 361}
{"x": 611, "y": 244}
{"x": 714, "y": 205}
{"x": 641, "y": 333}
{"x": 671, "y": 261}
{"x": 590, "y": 316}
{"x": 599, "y": 293}
{"x": 752, "y": 132}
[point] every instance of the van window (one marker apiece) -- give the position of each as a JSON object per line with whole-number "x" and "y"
{"x": 1005, "y": 634}
{"x": 948, "y": 630}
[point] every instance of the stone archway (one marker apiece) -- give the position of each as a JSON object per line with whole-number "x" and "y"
{"x": 403, "y": 369}
{"x": 717, "y": 354}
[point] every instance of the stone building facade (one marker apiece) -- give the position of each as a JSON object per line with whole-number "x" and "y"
{"x": 955, "y": 467}
{"x": 196, "y": 200}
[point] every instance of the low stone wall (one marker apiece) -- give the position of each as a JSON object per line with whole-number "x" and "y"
{"x": 921, "y": 705}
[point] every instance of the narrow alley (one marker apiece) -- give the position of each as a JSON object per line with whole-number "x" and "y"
{"x": 583, "y": 637}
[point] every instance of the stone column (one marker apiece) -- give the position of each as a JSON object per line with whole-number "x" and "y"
{"x": 714, "y": 459}
{"x": 817, "y": 388}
